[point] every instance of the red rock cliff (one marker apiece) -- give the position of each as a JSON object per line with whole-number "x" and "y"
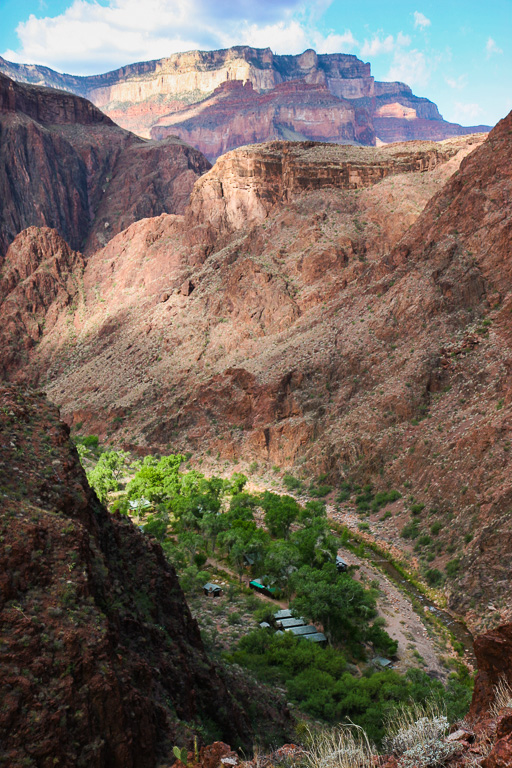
{"x": 102, "y": 665}
{"x": 140, "y": 96}
{"x": 68, "y": 167}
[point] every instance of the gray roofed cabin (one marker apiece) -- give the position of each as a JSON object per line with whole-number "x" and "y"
{"x": 341, "y": 565}
{"x": 212, "y": 590}
{"x": 307, "y": 629}
{"x": 292, "y": 622}
{"x": 285, "y": 613}
{"x": 316, "y": 637}
{"x": 382, "y": 663}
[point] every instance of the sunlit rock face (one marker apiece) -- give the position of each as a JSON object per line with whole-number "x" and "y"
{"x": 220, "y": 100}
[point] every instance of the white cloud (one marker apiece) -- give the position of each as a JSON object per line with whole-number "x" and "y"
{"x": 464, "y": 112}
{"x": 409, "y": 67}
{"x": 388, "y": 44}
{"x": 491, "y": 48}
{"x": 91, "y": 38}
{"x": 421, "y": 21}
{"x": 457, "y": 83}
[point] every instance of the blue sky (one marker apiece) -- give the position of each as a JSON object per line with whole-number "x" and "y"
{"x": 459, "y": 54}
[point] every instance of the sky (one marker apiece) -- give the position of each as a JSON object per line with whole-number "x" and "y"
{"x": 458, "y": 54}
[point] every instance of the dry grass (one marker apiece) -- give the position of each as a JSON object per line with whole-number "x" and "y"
{"x": 502, "y": 698}
{"x": 410, "y": 725}
{"x": 345, "y": 747}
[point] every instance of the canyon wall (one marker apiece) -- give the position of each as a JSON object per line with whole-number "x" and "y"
{"x": 330, "y": 97}
{"x": 67, "y": 166}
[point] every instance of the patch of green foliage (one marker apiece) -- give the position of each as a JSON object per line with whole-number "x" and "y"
{"x": 317, "y": 680}
{"x": 109, "y": 469}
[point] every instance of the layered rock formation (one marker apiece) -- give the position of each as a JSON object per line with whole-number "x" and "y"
{"x": 235, "y": 114}
{"x": 305, "y": 310}
{"x": 330, "y": 97}
{"x": 69, "y": 167}
{"x": 101, "y": 663}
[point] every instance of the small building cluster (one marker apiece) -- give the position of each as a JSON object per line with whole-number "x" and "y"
{"x": 285, "y": 621}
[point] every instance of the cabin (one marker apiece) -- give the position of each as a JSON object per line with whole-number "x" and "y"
{"x": 249, "y": 559}
{"x": 264, "y": 625}
{"x": 284, "y": 613}
{"x": 212, "y": 590}
{"x": 302, "y": 631}
{"x": 341, "y": 565}
{"x": 382, "y": 663}
{"x": 316, "y": 637}
{"x": 259, "y": 586}
{"x": 291, "y": 622}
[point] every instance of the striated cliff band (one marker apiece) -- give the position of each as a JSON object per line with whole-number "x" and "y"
{"x": 219, "y": 100}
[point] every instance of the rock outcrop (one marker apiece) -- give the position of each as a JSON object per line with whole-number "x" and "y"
{"x": 69, "y": 167}
{"x": 206, "y": 98}
{"x": 101, "y": 661}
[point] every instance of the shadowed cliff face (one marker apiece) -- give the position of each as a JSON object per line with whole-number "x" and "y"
{"x": 328, "y": 97}
{"x": 67, "y": 166}
{"x": 102, "y": 663}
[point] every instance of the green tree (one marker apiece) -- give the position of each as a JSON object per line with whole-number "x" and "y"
{"x": 157, "y": 481}
{"x": 338, "y": 602}
{"x": 105, "y": 476}
{"x": 315, "y": 543}
{"x": 280, "y": 513}
{"x": 282, "y": 558}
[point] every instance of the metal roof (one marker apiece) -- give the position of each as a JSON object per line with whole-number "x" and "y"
{"x": 285, "y": 613}
{"x": 381, "y": 662}
{"x": 292, "y": 622}
{"x": 308, "y": 629}
{"x": 212, "y": 587}
{"x": 317, "y": 637}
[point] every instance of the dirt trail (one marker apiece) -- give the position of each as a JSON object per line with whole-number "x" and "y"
{"x": 221, "y": 567}
{"x": 402, "y": 622}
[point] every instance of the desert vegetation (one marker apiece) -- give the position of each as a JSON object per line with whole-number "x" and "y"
{"x": 209, "y": 525}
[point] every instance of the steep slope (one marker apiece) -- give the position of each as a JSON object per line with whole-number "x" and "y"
{"x": 102, "y": 663}
{"x": 40, "y": 279}
{"x": 141, "y": 95}
{"x": 67, "y": 166}
{"x": 307, "y": 311}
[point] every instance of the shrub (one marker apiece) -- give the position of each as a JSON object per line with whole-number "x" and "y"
{"x": 410, "y": 530}
{"x": 320, "y": 490}
{"x": 384, "y": 497}
{"x": 292, "y": 483}
{"x": 434, "y": 577}
{"x": 502, "y": 698}
{"x": 417, "y": 508}
{"x": 452, "y": 567}
{"x": 416, "y": 735}
{"x": 89, "y": 441}
{"x": 435, "y": 528}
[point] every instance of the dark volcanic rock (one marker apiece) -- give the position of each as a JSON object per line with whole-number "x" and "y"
{"x": 101, "y": 662}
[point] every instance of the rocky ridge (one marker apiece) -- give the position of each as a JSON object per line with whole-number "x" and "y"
{"x": 101, "y": 661}
{"x": 69, "y": 167}
{"x": 323, "y": 97}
